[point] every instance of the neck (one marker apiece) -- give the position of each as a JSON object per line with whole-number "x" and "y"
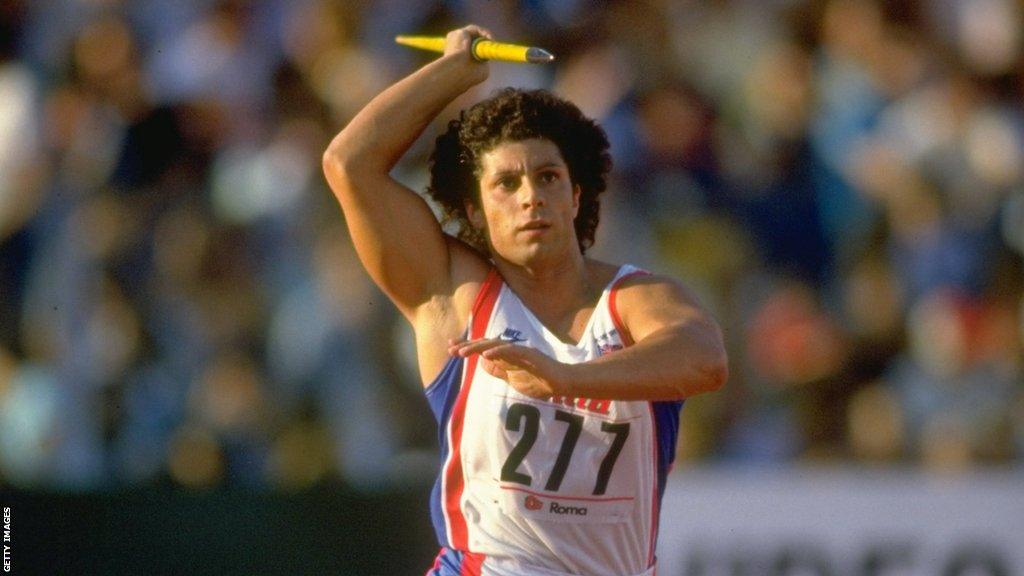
{"x": 550, "y": 287}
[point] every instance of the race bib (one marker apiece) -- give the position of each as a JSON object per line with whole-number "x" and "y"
{"x": 564, "y": 460}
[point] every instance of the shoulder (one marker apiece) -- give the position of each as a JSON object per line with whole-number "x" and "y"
{"x": 645, "y": 293}
{"x": 646, "y": 303}
{"x": 631, "y": 282}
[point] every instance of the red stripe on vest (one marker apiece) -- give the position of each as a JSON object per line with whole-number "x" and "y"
{"x": 453, "y": 481}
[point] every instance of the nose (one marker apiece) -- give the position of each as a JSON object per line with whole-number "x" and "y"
{"x": 530, "y": 195}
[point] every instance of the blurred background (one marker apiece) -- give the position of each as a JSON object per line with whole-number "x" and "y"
{"x": 188, "y": 344}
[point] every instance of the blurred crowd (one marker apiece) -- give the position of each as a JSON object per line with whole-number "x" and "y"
{"x": 841, "y": 181}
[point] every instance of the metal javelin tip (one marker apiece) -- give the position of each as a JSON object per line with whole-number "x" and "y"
{"x": 539, "y": 56}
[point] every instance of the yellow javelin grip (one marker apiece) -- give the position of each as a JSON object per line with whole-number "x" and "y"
{"x": 483, "y": 49}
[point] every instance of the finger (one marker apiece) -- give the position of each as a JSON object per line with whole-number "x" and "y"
{"x": 476, "y": 31}
{"x": 481, "y": 346}
{"x": 501, "y": 364}
{"x": 460, "y": 40}
{"x": 466, "y": 349}
{"x": 538, "y": 393}
{"x": 463, "y": 37}
{"x": 511, "y": 353}
{"x": 513, "y": 357}
{"x": 455, "y": 345}
{"x": 494, "y": 369}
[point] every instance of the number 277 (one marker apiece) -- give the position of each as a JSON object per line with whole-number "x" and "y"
{"x": 520, "y": 414}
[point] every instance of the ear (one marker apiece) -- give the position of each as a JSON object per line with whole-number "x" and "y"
{"x": 576, "y": 192}
{"x": 475, "y": 215}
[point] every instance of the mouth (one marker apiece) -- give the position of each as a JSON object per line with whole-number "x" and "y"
{"x": 534, "y": 225}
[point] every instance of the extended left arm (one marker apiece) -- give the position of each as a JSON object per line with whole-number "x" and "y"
{"x": 678, "y": 352}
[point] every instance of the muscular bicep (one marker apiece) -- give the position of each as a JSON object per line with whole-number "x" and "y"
{"x": 397, "y": 237}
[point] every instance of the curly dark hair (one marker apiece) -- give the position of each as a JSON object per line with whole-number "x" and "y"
{"x": 512, "y": 115}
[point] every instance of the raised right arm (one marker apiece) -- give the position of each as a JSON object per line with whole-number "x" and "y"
{"x": 394, "y": 232}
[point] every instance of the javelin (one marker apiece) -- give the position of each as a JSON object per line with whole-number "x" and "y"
{"x": 483, "y": 49}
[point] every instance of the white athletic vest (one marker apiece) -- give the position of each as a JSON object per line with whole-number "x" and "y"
{"x": 547, "y": 486}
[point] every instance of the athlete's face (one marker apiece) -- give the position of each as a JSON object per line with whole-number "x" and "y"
{"x": 528, "y": 201}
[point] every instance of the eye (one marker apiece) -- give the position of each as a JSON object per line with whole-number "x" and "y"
{"x": 548, "y": 177}
{"x": 507, "y": 183}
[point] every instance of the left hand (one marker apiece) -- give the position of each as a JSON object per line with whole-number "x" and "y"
{"x": 529, "y": 371}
